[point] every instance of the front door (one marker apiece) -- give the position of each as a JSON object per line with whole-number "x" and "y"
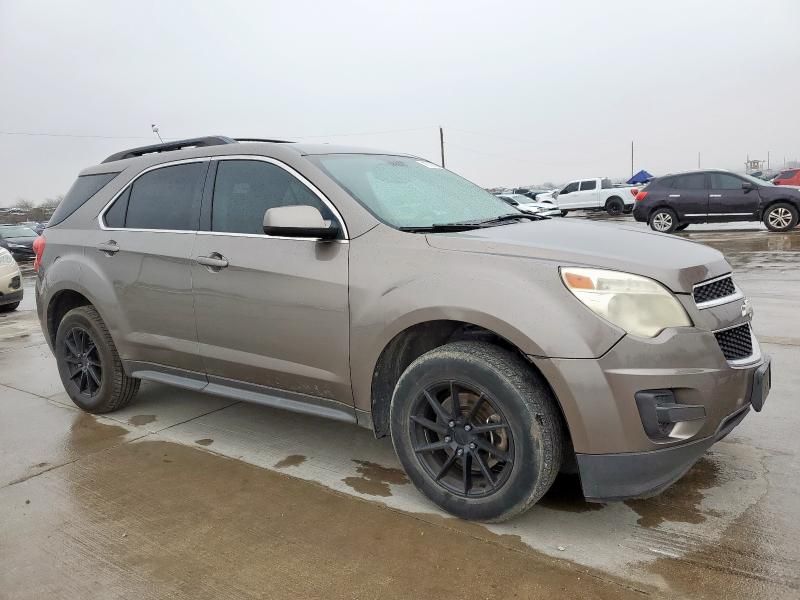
{"x": 273, "y": 312}
{"x": 689, "y": 197}
{"x": 568, "y": 197}
{"x": 143, "y": 252}
{"x": 728, "y": 201}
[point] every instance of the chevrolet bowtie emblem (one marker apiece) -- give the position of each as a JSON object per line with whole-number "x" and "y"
{"x": 747, "y": 308}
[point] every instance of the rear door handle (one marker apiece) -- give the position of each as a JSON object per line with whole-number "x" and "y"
{"x": 674, "y": 195}
{"x": 110, "y": 247}
{"x": 214, "y": 262}
{"x": 715, "y": 195}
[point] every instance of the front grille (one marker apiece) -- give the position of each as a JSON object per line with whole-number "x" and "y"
{"x": 735, "y": 343}
{"x": 706, "y": 292}
{"x": 14, "y": 282}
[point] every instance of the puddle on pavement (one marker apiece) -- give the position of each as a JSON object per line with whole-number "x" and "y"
{"x": 375, "y": 479}
{"x": 293, "y": 460}
{"x": 247, "y": 530}
{"x": 760, "y": 249}
{"x": 680, "y": 503}
{"x": 139, "y": 420}
{"x": 204, "y": 442}
{"x": 566, "y": 495}
{"x": 87, "y": 434}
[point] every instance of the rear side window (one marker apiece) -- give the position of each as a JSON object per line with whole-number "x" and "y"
{"x": 723, "y": 181}
{"x": 662, "y": 182}
{"x": 84, "y": 188}
{"x": 606, "y": 184}
{"x": 588, "y": 185}
{"x": 695, "y": 181}
{"x": 245, "y": 189}
{"x": 166, "y": 198}
{"x": 787, "y": 174}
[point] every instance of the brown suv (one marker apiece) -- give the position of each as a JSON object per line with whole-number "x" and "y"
{"x": 496, "y": 347}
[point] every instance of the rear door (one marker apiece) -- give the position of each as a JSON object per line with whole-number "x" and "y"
{"x": 277, "y": 314}
{"x": 143, "y": 250}
{"x": 728, "y": 201}
{"x": 688, "y": 197}
{"x": 588, "y": 194}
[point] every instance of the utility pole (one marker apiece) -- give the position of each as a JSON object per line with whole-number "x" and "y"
{"x": 631, "y": 158}
{"x": 698, "y": 160}
{"x": 767, "y": 160}
{"x": 154, "y": 127}
{"x": 441, "y": 144}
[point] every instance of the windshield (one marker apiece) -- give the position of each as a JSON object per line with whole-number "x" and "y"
{"x": 410, "y": 192}
{"x": 17, "y": 231}
{"x": 756, "y": 180}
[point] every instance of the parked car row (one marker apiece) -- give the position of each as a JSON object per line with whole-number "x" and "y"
{"x": 18, "y": 240}
{"x": 545, "y": 208}
{"x": 10, "y": 282}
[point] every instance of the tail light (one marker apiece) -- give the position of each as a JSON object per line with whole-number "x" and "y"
{"x": 641, "y": 196}
{"x": 634, "y": 191}
{"x": 38, "y": 248}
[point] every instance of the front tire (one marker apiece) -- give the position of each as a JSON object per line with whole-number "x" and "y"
{"x": 663, "y": 220}
{"x": 781, "y": 216}
{"x": 89, "y": 365}
{"x": 9, "y": 307}
{"x": 477, "y": 430}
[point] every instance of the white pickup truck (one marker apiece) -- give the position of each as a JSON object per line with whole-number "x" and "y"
{"x": 597, "y": 193}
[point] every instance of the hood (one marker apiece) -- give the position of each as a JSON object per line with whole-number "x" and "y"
{"x": 675, "y": 262}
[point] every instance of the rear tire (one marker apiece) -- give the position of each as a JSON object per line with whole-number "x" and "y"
{"x": 487, "y": 475}
{"x": 663, "y": 220}
{"x": 615, "y": 206}
{"x": 9, "y": 307}
{"x": 781, "y": 216}
{"x": 564, "y": 213}
{"x": 89, "y": 365}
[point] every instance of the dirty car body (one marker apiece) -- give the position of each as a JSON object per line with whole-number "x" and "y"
{"x": 344, "y": 323}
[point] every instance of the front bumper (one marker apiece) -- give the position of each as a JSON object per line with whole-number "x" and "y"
{"x": 617, "y": 455}
{"x": 10, "y": 297}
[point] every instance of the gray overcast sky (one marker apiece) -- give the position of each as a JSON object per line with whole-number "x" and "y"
{"x": 526, "y": 91}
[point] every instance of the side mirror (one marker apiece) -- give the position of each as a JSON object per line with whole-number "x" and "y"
{"x": 299, "y": 222}
{"x": 748, "y": 186}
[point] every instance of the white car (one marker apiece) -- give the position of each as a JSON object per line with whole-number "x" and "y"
{"x": 10, "y": 282}
{"x": 595, "y": 194}
{"x": 546, "y": 208}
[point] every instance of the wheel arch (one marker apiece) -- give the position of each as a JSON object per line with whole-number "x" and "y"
{"x": 414, "y": 341}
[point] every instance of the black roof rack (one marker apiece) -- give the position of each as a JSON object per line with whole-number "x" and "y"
{"x": 214, "y": 140}
{"x": 263, "y": 140}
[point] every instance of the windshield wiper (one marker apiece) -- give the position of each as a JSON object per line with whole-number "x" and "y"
{"x": 442, "y": 227}
{"x": 511, "y": 217}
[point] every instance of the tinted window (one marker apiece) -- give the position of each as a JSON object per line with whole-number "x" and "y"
{"x": 167, "y": 198}
{"x": 695, "y": 181}
{"x": 245, "y": 189}
{"x": 723, "y": 181}
{"x": 787, "y": 174}
{"x": 84, "y": 188}
{"x": 588, "y": 185}
{"x": 115, "y": 215}
{"x": 572, "y": 187}
{"x": 663, "y": 182}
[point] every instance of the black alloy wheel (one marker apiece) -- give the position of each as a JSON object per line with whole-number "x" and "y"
{"x": 83, "y": 362}
{"x": 462, "y": 439}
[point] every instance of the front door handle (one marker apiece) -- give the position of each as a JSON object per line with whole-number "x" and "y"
{"x": 109, "y": 248}
{"x": 715, "y": 195}
{"x": 215, "y": 261}
{"x": 674, "y": 195}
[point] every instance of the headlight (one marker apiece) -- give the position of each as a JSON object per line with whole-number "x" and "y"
{"x": 5, "y": 257}
{"x": 637, "y": 304}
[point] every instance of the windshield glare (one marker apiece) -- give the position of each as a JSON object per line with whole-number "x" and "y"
{"x": 410, "y": 192}
{"x": 17, "y": 231}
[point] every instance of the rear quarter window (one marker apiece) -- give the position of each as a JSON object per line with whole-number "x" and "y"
{"x": 81, "y": 191}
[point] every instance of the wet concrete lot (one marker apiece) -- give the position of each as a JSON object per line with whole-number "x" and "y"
{"x": 183, "y": 495}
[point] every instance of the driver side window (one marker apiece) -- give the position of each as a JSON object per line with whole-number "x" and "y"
{"x": 572, "y": 187}
{"x": 245, "y": 189}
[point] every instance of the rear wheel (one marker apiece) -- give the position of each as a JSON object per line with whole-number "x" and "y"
{"x": 780, "y": 217}
{"x": 564, "y": 213}
{"x": 477, "y": 430}
{"x": 89, "y": 365}
{"x": 663, "y": 220}
{"x": 615, "y": 206}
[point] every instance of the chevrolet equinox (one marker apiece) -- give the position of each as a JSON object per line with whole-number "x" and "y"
{"x": 381, "y": 289}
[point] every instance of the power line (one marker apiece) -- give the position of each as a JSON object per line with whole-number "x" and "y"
{"x": 303, "y": 137}
{"x": 75, "y": 135}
